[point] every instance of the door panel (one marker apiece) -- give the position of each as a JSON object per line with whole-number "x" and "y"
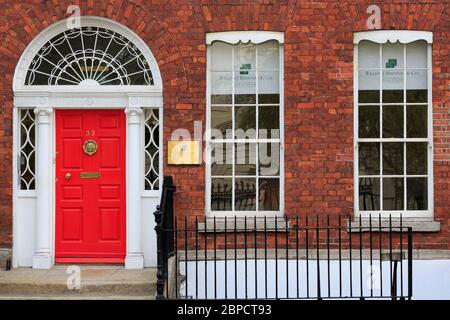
{"x": 90, "y": 212}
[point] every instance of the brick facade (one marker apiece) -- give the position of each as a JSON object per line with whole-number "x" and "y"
{"x": 318, "y": 87}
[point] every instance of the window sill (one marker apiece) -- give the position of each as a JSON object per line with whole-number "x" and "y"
{"x": 417, "y": 225}
{"x": 280, "y": 225}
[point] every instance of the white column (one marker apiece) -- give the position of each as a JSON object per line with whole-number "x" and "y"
{"x": 42, "y": 258}
{"x": 135, "y": 256}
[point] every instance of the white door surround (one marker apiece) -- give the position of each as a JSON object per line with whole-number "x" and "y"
{"x": 33, "y": 243}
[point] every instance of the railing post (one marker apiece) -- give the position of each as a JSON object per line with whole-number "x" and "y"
{"x": 160, "y": 268}
{"x": 164, "y": 235}
{"x": 410, "y": 263}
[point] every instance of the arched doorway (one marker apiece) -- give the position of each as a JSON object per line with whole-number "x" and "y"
{"x": 88, "y": 114}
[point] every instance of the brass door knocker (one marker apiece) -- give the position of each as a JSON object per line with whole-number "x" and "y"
{"x": 90, "y": 147}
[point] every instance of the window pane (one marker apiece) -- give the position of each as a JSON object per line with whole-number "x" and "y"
{"x": 369, "y": 96}
{"x": 393, "y": 158}
{"x": 245, "y": 87}
{"x": 245, "y": 194}
{"x": 221, "y": 159}
{"x": 245, "y": 159}
{"x": 269, "y": 122}
{"x": 392, "y": 96}
{"x": 245, "y": 56}
{"x": 369, "y": 158}
{"x": 416, "y": 86}
{"x": 369, "y": 122}
{"x": 221, "y": 87}
{"x": 393, "y": 194}
{"x": 369, "y": 194}
{"x": 245, "y": 125}
{"x": 369, "y": 86}
{"x": 269, "y": 194}
{"x": 268, "y": 55}
{"x": 392, "y": 54}
{"x": 393, "y": 71}
{"x": 392, "y": 121}
{"x": 221, "y": 55}
{"x": 268, "y": 98}
{"x": 417, "y": 119}
{"x": 416, "y": 54}
{"x": 269, "y": 159}
{"x": 268, "y": 82}
{"x": 221, "y": 194}
{"x": 416, "y": 96}
{"x": 416, "y": 158}
{"x": 268, "y": 87}
{"x": 221, "y": 121}
{"x": 368, "y": 55}
{"x": 417, "y": 189}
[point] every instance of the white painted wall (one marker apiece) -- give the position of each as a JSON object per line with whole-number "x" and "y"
{"x": 431, "y": 278}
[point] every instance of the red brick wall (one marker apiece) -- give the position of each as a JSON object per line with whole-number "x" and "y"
{"x": 318, "y": 86}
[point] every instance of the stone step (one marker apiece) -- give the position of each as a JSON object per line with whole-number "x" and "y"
{"x": 97, "y": 282}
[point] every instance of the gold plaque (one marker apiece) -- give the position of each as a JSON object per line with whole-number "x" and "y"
{"x": 90, "y": 147}
{"x": 184, "y": 152}
{"x": 89, "y": 175}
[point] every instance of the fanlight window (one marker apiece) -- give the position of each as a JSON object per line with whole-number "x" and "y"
{"x": 89, "y": 56}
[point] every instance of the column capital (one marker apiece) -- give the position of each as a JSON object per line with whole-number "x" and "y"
{"x": 43, "y": 114}
{"x": 133, "y": 115}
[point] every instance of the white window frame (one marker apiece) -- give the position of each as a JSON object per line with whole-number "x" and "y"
{"x": 234, "y": 37}
{"x": 404, "y": 37}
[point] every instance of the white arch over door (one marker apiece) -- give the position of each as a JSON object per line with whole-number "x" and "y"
{"x": 34, "y": 210}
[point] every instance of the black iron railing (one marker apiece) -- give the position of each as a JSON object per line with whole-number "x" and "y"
{"x": 284, "y": 258}
{"x": 165, "y": 235}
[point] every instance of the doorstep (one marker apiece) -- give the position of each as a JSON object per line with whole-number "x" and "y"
{"x": 97, "y": 282}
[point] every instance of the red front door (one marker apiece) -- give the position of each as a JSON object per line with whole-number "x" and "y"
{"x": 90, "y": 186}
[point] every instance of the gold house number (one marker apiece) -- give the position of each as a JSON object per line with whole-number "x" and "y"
{"x": 90, "y": 147}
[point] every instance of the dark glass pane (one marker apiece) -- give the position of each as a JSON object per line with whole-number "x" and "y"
{"x": 269, "y": 122}
{"x": 392, "y": 121}
{"x": 369, "y": 122}
{"x": 221, "y": 159}
{"x": 368, "y": 96}
{"x": 221, "y": 120}
{"x": 245, "y": 159}
{"x": 269, "y": 194}
{"x": 413, "y": 96}
{"x": 221, "y": 99}
{"x": 416, "y": 158}
{"x": 245, "y": 99}
{"x": 221, "y": 194}
{"x": 392, "y": 96}
{"x": 416, "y": 122}
{"x": 245, "y": 119}
{"x": 245, "y": 194}
{"x": 269, "y": 159}
{"x": 392, "y": 158}
{"x": 393, "y": 194}
{"x": 417, "y": 195}
{"x": 369, "y": 194}
{"x": 268, "y": 98}
{"x": 369, "y": 158}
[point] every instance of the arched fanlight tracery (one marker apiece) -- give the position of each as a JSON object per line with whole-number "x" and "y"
{"x": 89, "y": 56}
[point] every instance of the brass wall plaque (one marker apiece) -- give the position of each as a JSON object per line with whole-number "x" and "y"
{"x": 89, "y": 175}
{"x": 90, "y": 147}
{"x": 184, "y": 152}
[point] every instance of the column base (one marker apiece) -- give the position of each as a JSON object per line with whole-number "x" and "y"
{"x": 134, "y": 261}
{"x": 42, "y": 261}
